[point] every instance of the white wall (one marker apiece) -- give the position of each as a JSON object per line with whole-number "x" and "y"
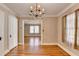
{"x": 49, "y": 25}
{"x": 7, "y": 19}
{"x": 72, "y": 51}
{"x": 1, "y": 32}
{"x": 50, "y": 30}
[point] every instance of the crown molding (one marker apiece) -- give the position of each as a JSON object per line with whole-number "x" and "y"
{"x": 50, "y": 16}
{"x": 5, "y": 8}
{"x": 59, "y": 14}
{"x": 64, "y": 10}
{"x": 42, "y": 17}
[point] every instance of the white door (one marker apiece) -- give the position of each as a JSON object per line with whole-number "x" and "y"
{"x": 1, "y": 32}
{"x": 12, "y": 31}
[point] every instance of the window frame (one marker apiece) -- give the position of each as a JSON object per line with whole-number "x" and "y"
{"x": 64, "y": 28}
{"x": 34, "y": 28}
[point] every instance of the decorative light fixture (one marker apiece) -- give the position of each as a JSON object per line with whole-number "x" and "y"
{"x": 36, "y": 11}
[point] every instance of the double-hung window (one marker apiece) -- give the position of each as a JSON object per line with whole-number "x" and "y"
{"x": 34, "y": 29}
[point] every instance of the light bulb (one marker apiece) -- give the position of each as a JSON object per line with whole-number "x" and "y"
{"x": 43, "y": 9}
{"x": 31, "y": 7}
{"x": 38, "y": 6}
{"x": 40, "y": 13}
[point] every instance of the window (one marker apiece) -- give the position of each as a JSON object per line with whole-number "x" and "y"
{"x": 34, "y": 29}
{"x": 70, "y": 29}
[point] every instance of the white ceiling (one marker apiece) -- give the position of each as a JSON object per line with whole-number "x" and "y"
{"x": 51, "y": 9}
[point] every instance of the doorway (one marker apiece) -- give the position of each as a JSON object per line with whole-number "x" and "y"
{"x": 32, "y": 34}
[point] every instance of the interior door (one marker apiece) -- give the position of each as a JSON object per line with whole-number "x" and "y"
{"x": 1, "y": 32}
{"x": 12, "y": 32}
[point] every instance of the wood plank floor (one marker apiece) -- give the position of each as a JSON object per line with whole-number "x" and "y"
{"x": 44, "y": 50}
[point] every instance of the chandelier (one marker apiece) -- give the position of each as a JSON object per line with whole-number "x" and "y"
{"x": 36, "y": 11}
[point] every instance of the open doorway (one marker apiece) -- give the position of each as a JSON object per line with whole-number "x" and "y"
{"x": 32, "y": 33}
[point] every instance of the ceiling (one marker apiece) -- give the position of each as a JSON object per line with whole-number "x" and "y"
{"x": 51, "y": 9}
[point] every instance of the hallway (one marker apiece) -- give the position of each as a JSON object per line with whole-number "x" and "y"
{"x": 44, "y": 50}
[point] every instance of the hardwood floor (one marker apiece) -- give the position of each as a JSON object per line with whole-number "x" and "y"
{"x": 32, "y": 40}
{"x": 44, "y": 50}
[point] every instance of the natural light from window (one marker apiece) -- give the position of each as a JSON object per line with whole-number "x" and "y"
{"x": 34, "y": 29}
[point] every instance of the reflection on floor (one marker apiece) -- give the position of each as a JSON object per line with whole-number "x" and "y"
{"x": 44, "y": 50}
{"x": 32, "y": 40}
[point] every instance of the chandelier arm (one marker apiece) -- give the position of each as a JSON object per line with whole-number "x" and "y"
{"x": 36, "y": 7}
{"x": 36, "y": 11}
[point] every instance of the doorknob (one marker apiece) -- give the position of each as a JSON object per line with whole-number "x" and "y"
{"x": 10, "y": 35}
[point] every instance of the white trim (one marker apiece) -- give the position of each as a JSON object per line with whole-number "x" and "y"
{"x": 43, "y": 16}
{"x": 23, "y": 22}
{"x": 64, "y": 10}
{"x": 65, "y": 49}
{"x": 6, "y": 52}
{"x": 19, "y": 43}
{"x": 72, "y": 54}
{"x": 44, "y": 43}
{"x": 7, "y": 9}
{"x": 49, "y": 44}
{"x": 23, "y": 32}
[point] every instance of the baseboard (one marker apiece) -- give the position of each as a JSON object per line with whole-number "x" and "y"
{"x": 7, "y": 51}
{"x": 44, "y": 44}
{"x": 69, "y": 52}
{"x": 49, "y": 44}
{"x": 72, "y": 54}
{"x": 19, "y": 43}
